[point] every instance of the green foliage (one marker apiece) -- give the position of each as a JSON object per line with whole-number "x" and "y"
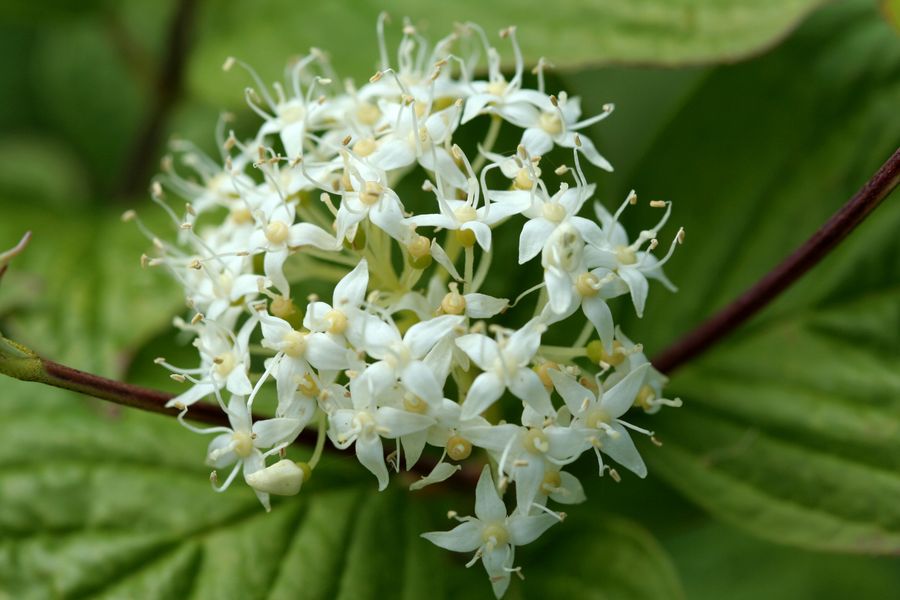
{"x": 570, "y": 34}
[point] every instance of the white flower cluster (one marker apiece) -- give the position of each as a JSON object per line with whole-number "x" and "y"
{"x": 404, "y": 350}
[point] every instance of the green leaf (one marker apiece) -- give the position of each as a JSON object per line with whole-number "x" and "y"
{"x": 790, "y": 430}
{"x": 570, "y": 33}
{"x": 605, "y": 557}
{"x": 78, "y": 294}
{"x": 718, "y": 561}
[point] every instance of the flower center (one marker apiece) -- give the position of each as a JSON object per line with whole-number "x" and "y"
{"x": 294, "y": 344}
{"x": 552, "y": 482}
{"x": 536, "y": 441}
{"x": 277, "y": 232}
{"x": 494, "y": 535}
{"x": 550, "y": 122}
{"x": 241, "y": 215}
{"x": 523, "y": 180}
{"x": 625, "y": 255}
{"x": 364, "y": 423}
{"x": 644, "y": 397}
{"x": 554, "y": 212}
{"x": 225, "y": 364}
{"x": 372, "y": 193}
{"x": 497, "y": 88}
{"x": 587, "y": 284}
{"x": 307, "y": 386}
{"x": 292, "y": 113}
{"x": 453, "y": 303}
{"x": 367, "y": 113}
{"x": 243, "y": 443}
{"x": 458, "y": 448}
{"x": 337, "y": 321}
{"x": 365, "y": 147}
{"x": 419, "y": 247}
{"x": 597, "y": 418}
{"x": 415, "y": 404}
{"x": 465, "y": 213}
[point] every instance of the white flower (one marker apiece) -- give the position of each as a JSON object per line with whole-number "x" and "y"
{"x": 243, "y": 443}
{"x": 297, "y": 353}
{"x": 505, "y": 365}
{"x": 492, "y": 534}
{"x": 632, "y": 265}
{"x": 368, "y": 196}
{"x": 416, "y": 136}
{"x": 344, "y": 315}
{"x": 526, "y": 456}
{"x": 363, "y": 423}
{"x": 467, "y": 216}
{"x": 496, "y": 95}
{"x": 597, "y": 420}
{"x": 402, "y": 358}
{"x": 278, "y": 235}
{"x": 553, "y": 120}
{"x": 225, "y": 360}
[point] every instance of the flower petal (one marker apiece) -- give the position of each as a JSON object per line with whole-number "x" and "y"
{"x": 486, "y": 389}
{"x": 489, "y": 506}
{"x": 465, "y": 537}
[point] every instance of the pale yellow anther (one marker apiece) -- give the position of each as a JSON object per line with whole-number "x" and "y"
{"x": 458, "y": 448}
{"x": 277, "y": 232}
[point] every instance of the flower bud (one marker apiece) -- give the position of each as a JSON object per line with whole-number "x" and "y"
{"x": 283, "y": 478}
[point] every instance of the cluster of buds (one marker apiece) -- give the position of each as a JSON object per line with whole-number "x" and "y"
{"x": 406, "y": 349}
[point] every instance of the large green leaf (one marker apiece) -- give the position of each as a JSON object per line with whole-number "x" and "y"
{"x": 571, "y": 33}
{"x": 717, "y": 561}
{"x": 791, "y": 430}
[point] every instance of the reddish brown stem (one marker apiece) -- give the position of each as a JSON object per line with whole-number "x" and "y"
{"x": 784, "y": 275}
{"x": 169, "y": 87}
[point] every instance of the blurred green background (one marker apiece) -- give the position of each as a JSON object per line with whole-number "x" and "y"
{"x": 780, "y": 477}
